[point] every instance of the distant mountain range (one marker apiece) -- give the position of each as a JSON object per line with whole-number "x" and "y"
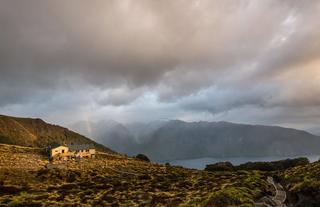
{"x": 172, "y": 140}
{"x": 165, "y": 140}
{"x": 314, "y": 130}
{"x": 37, "y": 133}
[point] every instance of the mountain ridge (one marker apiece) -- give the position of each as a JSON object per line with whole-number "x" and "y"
{"x": 224, "y": 139}
{"x": 176, "y": 139}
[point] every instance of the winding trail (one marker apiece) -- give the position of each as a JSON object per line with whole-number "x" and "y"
{"x": 276, "y": 201}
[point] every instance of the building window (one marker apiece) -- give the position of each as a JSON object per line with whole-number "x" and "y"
{"x": 62, "y": 151}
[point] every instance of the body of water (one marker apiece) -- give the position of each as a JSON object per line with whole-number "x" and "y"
{"x": 201, "y": 163}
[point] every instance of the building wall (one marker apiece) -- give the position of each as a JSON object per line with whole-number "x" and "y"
{"x": 59, "y": 150}
{"x": 63, "y": 153}
{"x": 92, "y": 151}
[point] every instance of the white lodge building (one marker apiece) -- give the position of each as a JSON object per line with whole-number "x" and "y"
{"x": 72, "y": 151}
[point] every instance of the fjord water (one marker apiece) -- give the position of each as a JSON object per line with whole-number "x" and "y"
{"x": 201, "y": 163}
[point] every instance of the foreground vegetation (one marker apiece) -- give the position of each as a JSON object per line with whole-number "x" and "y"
{"x": 261, "y": 166}
{"x": 114, "y": 180}
{"x": 302, "y": 184}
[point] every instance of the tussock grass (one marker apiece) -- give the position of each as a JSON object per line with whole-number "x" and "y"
{"x": 120, "y": 181}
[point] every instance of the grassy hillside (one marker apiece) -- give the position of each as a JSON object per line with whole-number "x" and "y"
{"x": 303, "y": 184}
{"x": 114, "y": 180}
{"x": 37, "y": 133}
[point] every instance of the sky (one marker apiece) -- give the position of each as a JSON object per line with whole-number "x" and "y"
{"x": 248, "y": 61}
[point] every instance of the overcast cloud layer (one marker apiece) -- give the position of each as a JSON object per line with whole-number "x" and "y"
{"x": 242, "y": 61}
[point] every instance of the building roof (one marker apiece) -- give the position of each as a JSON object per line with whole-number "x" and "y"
{"x": 55, "y": 145}
{"x": 80, "y": 147}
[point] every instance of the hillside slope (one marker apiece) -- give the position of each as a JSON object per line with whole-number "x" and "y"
{"x": 115, "y": 180}
{"x": 302, "y": 184}
{"x": 37, "y": 133}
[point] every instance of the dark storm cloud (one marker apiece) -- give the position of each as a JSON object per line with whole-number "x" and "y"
{"x": 133, "y": 41}
{"x": 120, "y": 96}
{"x": 201, "y": 55}
{"x": 221, "y": 100}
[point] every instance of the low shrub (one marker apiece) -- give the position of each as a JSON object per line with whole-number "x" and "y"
{"x": 220, "y": 166}
{"x": 143, "y": 157}
{"x": 230, "y": 196}
{"x": 275, "y": 165}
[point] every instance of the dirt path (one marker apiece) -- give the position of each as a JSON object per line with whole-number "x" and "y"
{"x": 276, "y": 201}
